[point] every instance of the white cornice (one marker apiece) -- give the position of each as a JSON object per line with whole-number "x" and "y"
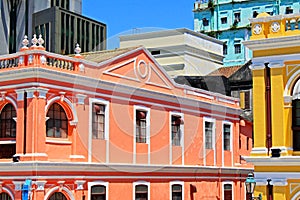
{"x": 257, "y": 66}
{"x": 276, "y": 64}
{"x": 273, "y": 43}
{"x": 278, "y": 161}
{"x": 130, "y": 168}
{"x": 273, "y": 18}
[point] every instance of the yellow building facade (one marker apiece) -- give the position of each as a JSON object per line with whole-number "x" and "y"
{"x": 275, "y": 43}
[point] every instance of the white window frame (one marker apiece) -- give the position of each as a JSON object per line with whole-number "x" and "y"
{"x": 212, "y": 120}
{"x": 141, "y": 183}
{"x": 106, "y": 115}
{"x": 181, "y": 115}
{"x": 147, "y": 110}
{"x": 232, "y": 188}
{"x": 175, "y": 113}
{"x": 231, "y": 132}
{"x": 176, "y": 183}
{"x": 231, "y": 140}
{"x": 100, "y": 183}
{"x": 106, "y": 125}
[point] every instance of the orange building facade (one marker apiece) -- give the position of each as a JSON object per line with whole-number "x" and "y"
{"x": 113, "y": 125}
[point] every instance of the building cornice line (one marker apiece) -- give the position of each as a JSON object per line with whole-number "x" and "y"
{"x": 99, "y": 84}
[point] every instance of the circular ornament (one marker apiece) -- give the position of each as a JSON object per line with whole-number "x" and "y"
{"x": 257, "y": 29}
{"x": 275, "y": 27}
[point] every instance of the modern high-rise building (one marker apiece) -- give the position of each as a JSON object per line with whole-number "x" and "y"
{"x": 60, "y": 21}
{"x": 229, "y": 21}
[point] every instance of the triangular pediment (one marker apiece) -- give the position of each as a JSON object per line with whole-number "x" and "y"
{"x": 138, "y": 68}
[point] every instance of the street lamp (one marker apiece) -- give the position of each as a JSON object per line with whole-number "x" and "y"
{"x": 250, "y": 185}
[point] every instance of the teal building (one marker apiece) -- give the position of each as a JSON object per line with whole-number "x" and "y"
{"x": 228, "y": 21}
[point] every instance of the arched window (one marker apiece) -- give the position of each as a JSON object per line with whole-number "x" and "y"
{"x": 57, "y": 196}
{"x": 7, "y": 123}
{"x": 4, "y": 196}
{"x": 98, "y": 192}
{"x": 57, "y": 124}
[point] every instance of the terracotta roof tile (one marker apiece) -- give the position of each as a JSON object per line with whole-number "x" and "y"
{"x": 225, "y": 71}
{"x": 100, "y": 56}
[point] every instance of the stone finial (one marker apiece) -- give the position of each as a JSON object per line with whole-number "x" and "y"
{"x": 41, "y": 40}
{"x": 25, "y": 41}
{"x": 34, "y": 40}
{"x": 77, "y": 49}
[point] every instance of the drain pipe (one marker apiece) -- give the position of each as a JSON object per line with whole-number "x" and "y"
{"x": 268, "y": 109}
{"x": 25, "y": 121}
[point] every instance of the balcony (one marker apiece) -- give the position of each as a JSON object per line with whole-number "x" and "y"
{"x": 36, "y": 56}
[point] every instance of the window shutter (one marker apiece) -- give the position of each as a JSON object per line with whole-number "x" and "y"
{"x": 242, "y": 100}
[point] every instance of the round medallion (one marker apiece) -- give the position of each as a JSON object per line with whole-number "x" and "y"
{"x": 257, "y": 29}
{"x": 275, "y": 27}
{"x": 142, "y": 69}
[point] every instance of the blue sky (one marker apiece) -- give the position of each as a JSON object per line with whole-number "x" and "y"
{"x": 134, "y": 16}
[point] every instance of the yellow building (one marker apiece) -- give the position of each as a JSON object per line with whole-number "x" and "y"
{"x": 275, "y": 43}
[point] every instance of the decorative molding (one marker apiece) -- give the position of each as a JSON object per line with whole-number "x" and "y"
{"x": 79, "y": 184}
{"x": 259, "y": 150}
{"x": 257, "y": 29}
{"x": 272, "y": 43}
{"x": 18, "y": 185}
{"x": 275, "y": 27}
{"x": 186, "y": 102}
{"x": 20, "y": 94}
{"x": 30, "y": 92}
{"x": 77, "y": 156}
{"x": 280, "y": 182}
{"x": 287, "y": 99}
{"x": 42, "y": 92}
{"x": 276, "y": 64}
{"x": 198, "y": 94}
{"x": 293, "y": 187}
{"x": 257, "y": 66}
{"x": 80, "y": 98}
{"x": 40, "y": 185}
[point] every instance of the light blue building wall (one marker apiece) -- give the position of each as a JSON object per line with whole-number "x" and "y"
{"x": 228, "y": 20}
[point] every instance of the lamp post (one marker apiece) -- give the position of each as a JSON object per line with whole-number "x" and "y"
{"x": 250, "y": 185}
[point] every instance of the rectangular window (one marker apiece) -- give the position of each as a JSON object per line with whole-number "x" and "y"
{"x": 289, "y": 10}
{"x": 226, "y": 137}
{"x": 176, "y": 192}
{"x": 237, "y": 48}
{"x": 155, "y": 52}
{"x": 227, "y": 191}
{"x": 141, "y": 126}
{"x": 208, "y": 135}
{"x": 224, "y": 20}
{"x": 205, "y": 22}
{"x": 98, "y": 192}
{"x": 254, "y": 14}
{"x": 225, "y": 48}
{"x": 98, "y": 121}
{"x": 141, "y": 192}
{"x": 176, "y": 130}
{"x": 245, "y": 99}
{"x": 237, "y": 17}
